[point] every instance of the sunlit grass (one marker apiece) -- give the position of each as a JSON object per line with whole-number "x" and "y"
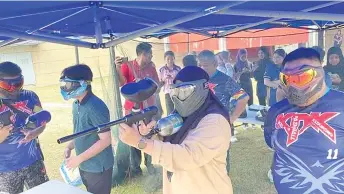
{"x": 250, "y": 157}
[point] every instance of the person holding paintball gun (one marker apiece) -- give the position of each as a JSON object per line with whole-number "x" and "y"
{"x": 193, "y": 158}
{"x": 21, "y": 158}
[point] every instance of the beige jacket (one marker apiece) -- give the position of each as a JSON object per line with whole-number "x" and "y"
{"x": 199, "y": 163}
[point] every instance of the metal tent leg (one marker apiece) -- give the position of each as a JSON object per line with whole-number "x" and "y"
{"x": 77, "y": 55}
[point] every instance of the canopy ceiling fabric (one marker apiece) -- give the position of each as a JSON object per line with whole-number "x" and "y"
{"x": 67, "y": 18}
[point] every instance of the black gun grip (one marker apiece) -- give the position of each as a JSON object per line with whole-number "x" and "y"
{"x": 145, "y": 115}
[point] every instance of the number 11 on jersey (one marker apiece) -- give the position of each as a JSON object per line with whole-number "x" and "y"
{"x": 332, "y": 154}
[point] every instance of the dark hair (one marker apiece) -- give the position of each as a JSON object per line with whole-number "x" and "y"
{"x": 207, "y": 54}
{"x": 143, "y": 47}
{"x": 224, "y": 54}
{"x": 301, "y": 53}
{"x": 189, "y": 60}
{"x": 335, "y": 50}
{"x": 320, "y": 51}
{"x": 9, "y": 69}
{"x": 280, "y": 52}
{"x": 169, "y": 53}
{"x": 266, "y": 52}
{"x": 78, "y": 72}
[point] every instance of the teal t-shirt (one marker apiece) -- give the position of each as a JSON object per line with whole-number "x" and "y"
{"x": 91, "y": 112}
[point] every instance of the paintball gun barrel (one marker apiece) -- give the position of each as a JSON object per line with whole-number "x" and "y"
{"x": 145, "y": 115}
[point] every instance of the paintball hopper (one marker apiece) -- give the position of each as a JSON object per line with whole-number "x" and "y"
{"x": 139, "y": 91}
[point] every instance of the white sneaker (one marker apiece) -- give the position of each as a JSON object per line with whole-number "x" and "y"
{"x": 233, "y": 139}
{"x": 246, "y": 127}
{"x": 270, "y": 176}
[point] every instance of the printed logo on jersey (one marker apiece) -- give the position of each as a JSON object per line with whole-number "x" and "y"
{"x": 211, "y": 87}
{"x": 295, "y": 124}
{"x": 298, "y": 176}
{"x": 22, "y": 106}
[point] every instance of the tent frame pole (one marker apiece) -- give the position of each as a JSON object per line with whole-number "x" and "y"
{"x": 154, "y": 23}
{"x": 47, "y": 38}
{"x": 275, "y": 19}
{"x": 201, "y": 13}
{"x": 288, "y": 15}
{"x": 41, "y": 28}
{"x": 97, "y": 24}
{"x": 41, "y": 12}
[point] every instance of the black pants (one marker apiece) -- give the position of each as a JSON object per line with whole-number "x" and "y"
{"x": 97, "y": 183}
{"x": 262, "y": 100}
{"x": 135, "y": 162}
{"x": 247, "y": 86}
{"x": 169, "y": 104}
{"x": 33, "y": 175}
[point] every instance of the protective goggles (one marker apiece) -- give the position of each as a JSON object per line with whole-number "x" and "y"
{"x": 69, "y": 85}
{"x": 183, "y": 90}
{"x": 301, "y": 79}
{"x": 12, "y": 85}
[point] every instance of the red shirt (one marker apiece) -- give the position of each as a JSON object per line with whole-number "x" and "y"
{"x": 147, "y": 71}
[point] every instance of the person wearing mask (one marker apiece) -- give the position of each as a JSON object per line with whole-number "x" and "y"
{"x": 305, "y": 130}
{"x": 21, "y": 158}
{"x": 242, "y": 73}
{"x": 271, "y": 76}
{"x": 225, "y": 89}
{"x": 258, "y": 74}
{"x": 94, "y": 156}
{"x": 194, "y": 158}
{"x": 335, "y": 68}
{"x": 167, "y": 74}
{"x": 128, "y": 72}
{"x": 189, "y": 60}
{"x": 280, "y": 95}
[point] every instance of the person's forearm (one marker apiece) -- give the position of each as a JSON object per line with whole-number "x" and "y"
{"x": 121, "y": 78}
{"x": 98, "y": 147}
{"x": 39, "y": 130}
{"x": 3, "y": 137}
{"x": 239, "y": 109}
{"x": 71, "y": 145}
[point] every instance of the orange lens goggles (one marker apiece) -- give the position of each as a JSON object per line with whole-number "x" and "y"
{"x": 12, "y": 85}
{"x": 300, "y": 79}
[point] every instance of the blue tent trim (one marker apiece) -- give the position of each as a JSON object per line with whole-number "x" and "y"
{"x": 76, "y": 18}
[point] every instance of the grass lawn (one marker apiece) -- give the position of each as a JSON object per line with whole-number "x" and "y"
{"x": 250, "y": 157}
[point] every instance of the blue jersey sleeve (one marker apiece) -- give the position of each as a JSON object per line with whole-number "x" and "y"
{"x": 269, "y": 126}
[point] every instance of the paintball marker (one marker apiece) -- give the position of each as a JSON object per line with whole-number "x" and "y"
{"x": 136, "y": 92}
{"x": 167, "y": 126}
{"x": 145, "y": 114}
